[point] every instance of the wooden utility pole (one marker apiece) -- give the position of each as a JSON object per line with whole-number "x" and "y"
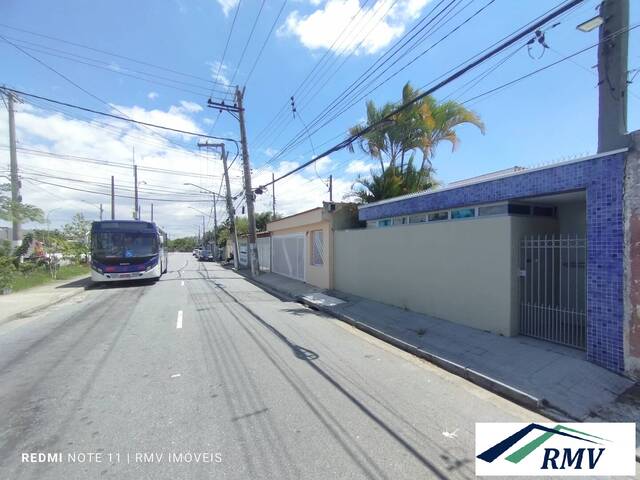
{"x": 15, "y": 181}
{"x": 113, "y": 199}
{"x": 612, "y": 75}
{"x": 248, "y": 191}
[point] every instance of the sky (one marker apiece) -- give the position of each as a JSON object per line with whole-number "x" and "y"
{"x": 159, "y": 62}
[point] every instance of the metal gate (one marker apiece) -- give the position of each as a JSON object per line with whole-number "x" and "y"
{"x": 553, "y": 288}
{"x": 264, "y": 253}
{"x": 288, "y": 254}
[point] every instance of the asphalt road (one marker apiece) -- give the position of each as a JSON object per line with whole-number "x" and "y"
{"x": 248, "y": 387}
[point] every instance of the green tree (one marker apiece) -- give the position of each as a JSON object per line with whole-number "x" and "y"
{"x": 184, "y": 244}
{"x": 76, "y": 234}
{"x": 22, "y": 212}
{"x": 416, "y": 130}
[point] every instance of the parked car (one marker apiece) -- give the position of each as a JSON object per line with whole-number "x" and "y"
{"x": 206, "y": 255}
{"x": 196, "y": 252}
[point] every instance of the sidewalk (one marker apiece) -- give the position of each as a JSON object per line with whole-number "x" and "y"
{"x": 556, "y": 380}
{"x": 27, "y": 302}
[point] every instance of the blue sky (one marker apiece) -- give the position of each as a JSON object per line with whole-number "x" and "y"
{"x": 548, "y": 117}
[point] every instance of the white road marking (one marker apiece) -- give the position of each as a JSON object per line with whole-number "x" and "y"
{"x": 179, "y": 322}
{"x": 175, "y": 375}
{"x": 182, "y": 283}
{"x": 453, "y": 434}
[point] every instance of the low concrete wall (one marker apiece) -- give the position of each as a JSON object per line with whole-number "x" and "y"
{"x": 460, "y": 271}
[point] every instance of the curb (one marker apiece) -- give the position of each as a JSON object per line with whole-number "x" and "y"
{"x": 483, "y": 381}
{"x": 479, "y": 379}
{"x": 31, "y": 311}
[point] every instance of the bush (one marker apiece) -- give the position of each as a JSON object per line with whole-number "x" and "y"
{"x": 7, "y": 272}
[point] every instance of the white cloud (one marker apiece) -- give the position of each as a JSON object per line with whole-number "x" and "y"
{"x": 219, "y": 72}
{"x": 227, "y": 5}
{"x": 376, "y": 26}
{"x": 359, "y": 166}
{"x": 52, "y": 132}
{"x": 270, "y": 152}
{"x": 152, "y": 95}
{"x": 190, "y": 107}
{"x": 113, "y": 141}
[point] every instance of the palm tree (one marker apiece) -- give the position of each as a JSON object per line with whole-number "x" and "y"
{"x": 419, "y": 128}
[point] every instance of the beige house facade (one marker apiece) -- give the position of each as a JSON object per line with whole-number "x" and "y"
{"x": 302, "y": 245}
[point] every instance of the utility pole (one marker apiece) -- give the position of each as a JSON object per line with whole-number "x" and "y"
{"x": 273, "y": 193}
{"x": 15, "y": 181}
{"x": 135, "y": 195}
{"x": 113, "y": 199}
{"x": 331, "y": 188}
{"x": 612, "y": 75}
{"x": 152, "y": 212}
{"x": 215, "y": 226}
{"x": 203, "y": 232}
{"x": 230, "y": 209}
{"x": 253, "y": 249}
{"x": 100, "y": 212}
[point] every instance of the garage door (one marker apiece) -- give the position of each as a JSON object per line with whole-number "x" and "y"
{"x": 288, "y": 254}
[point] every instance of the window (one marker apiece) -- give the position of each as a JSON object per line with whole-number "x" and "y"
{"x": 544, "y": 211}
{"x": 438, "y": 216}
{"x": 463, "y": 213}
{"x": 418, "y": 218}
{"x": 492, "y": 210}
{"x": 516, "y": 209}
{"x": 317, "y": 248}
{"x": 384, "y": 223}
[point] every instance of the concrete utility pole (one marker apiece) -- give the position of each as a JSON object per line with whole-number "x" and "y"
{"x": 15, "y": 181}
{"x": 100, "y": 212}
{"x": 152, "y": 212}
{"x": 273, "y": 193}
{"x": 612, "y": 75}
{"x": 215, "y": 225}
{"x": 135, "y": 195}
{"x": 230, "y": 210}
{"x": 113, "y": 199}
{"x": 253, "y": 248}
{"x": 331, "y": 188}
{"x": 203, "y": 232}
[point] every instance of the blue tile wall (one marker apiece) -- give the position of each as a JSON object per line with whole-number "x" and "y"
{"x": 602, "y": 178}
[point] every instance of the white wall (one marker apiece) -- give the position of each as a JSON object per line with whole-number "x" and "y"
{"x": 459, "y": 270}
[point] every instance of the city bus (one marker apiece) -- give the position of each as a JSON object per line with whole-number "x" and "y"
{"x": 127, "y": 250}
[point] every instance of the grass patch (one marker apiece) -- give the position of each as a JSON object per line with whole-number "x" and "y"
{"x": 40, "y": 276}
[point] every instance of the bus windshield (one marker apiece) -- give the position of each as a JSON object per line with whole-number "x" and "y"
{"x": 124, "y": 245}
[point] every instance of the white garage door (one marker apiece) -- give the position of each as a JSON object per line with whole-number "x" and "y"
{"x": 288, "y": 254}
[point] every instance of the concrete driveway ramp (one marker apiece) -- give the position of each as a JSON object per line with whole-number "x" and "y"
{"x": 322, "y": 300}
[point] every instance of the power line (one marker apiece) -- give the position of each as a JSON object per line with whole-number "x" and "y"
{"x": 119, "y": 71}
{"x": 118, "y": 117}
{"x": 226, "y": 45}
{"x": 264, "y": 44}
{"x": 246, "y": 45}
{"x": 104, "y": 52}
{"x": 433, "y": 89}
{"x": 359, "y": 87}
{"x": 95, "y": 161}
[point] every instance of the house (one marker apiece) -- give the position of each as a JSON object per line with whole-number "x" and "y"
{"x": 302, "y": 244}
{"x": 536, "y": 252}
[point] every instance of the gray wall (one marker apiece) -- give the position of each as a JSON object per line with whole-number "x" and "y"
{"x": 572, "y": 218}
{"x": 460, "y": 270}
